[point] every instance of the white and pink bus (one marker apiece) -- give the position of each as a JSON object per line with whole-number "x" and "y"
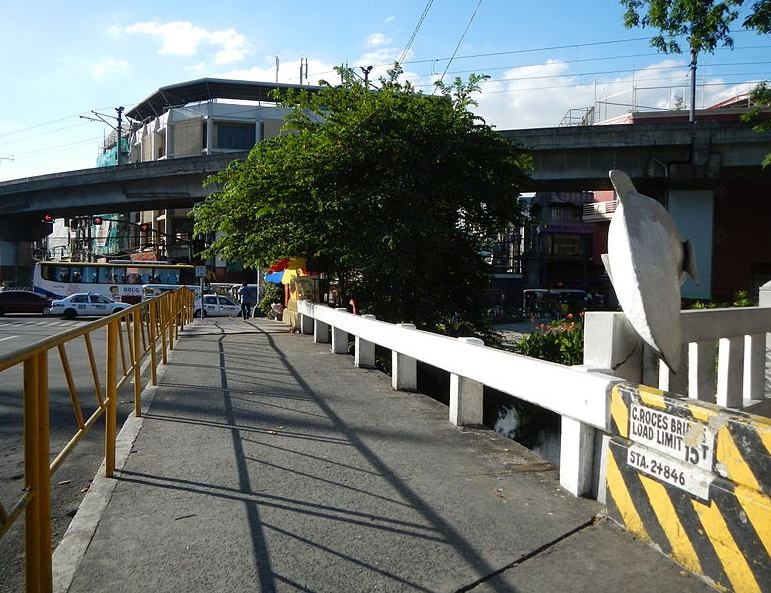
{"x": 117, "y": 280}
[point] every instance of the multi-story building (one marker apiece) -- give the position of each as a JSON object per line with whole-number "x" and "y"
{"x": 560, "y": 248}
{"x": 726, "y": 221}
{"x": 198, "y": 118}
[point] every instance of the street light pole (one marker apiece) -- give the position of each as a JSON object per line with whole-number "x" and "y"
{"x": 366, "y": 72}
{"x": 692, "y": 113}
{"x": 120, "y": 130}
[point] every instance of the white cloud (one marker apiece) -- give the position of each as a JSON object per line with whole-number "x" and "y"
{"x": 385, "y": 55}
{"x": 184, "y": 39}
{"x": 377, "y": 40}
{"x": 543, "y": 95}
{"x": 109, "y": 67}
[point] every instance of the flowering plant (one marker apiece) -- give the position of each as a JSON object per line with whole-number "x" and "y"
{"x": 559, "y": 341}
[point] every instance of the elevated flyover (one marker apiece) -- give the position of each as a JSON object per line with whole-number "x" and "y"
{"x": 126, "y": 188}
{"x": 154, "y": 185}
{"x": 684, "y": 155}
{"x": 656, "y": 155}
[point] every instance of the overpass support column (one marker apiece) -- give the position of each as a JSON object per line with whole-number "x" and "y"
{"x": 466, "y": 396}
{"x": 364, "y": 356}
{"x": 404, "y": 369}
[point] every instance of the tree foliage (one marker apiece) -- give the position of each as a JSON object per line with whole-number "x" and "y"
{"x": 392, "y": 191}
{"x": 760, "y": 97}
{"x": 704, "y": 24}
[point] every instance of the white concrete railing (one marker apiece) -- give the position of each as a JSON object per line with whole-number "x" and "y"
{"x": 723, "y": 358}
{"x": 724, "y": 364}
{"x": 581, "y": 398}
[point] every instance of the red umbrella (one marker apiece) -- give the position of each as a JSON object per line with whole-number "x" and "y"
{"x": 278, "y": 266}
{"x": 287, "y": 263}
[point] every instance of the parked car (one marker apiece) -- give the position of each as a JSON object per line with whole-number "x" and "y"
{"x": 216, "y": 305}
{"x": 86, "y": 303}
{"x": 23, "y": 301}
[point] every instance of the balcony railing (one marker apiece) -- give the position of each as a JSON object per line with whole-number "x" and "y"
{"x": 597, "y": 211}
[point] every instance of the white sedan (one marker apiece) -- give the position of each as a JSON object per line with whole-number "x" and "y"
{"x": 86, "y": 303}
{"x": 216, "y": 305}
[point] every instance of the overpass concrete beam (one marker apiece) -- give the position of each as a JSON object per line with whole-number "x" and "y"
{"x": 23, "y": 230}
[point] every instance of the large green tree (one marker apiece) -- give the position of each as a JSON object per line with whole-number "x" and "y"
{"x": 761, "y": 99}
{"x": 393, "y": 191}
{"x": 704, "y": 24}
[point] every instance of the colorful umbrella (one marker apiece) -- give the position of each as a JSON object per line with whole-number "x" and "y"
{"x": 282, "y": 271}
{"x": 274, "y": 277}
{"x": 287, "y": 263}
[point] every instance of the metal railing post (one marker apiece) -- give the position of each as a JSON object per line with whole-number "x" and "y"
{"x": 162, "y": 329}
{"x": 136, "y": 326}
{"x": 111, "y": 388}
{"x": 37, "y": 475}
{"x": 152, "y": 310}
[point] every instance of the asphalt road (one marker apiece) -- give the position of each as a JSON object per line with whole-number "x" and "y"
{"x": 74, "y": 477}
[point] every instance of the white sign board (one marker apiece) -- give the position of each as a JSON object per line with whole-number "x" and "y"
{"x": 681, "y": 475}
{"x": 686, "y": 440}
{"x": 676, "y": 450}
{"x": 200, "y": 271}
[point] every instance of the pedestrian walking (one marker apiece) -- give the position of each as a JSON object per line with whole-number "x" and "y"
{"x": 245, "y": 298}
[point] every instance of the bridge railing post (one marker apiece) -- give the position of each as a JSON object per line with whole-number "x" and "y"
{"x": 339, "y": 337}
{"x": 404, "y": 369}
{"x": 577, "y": 456}
{"x": 466, "y": 396}
{"x": 320, "y": 332}
{"x": 364, "y": 352}
{"x": 306, "y": 324}
{"x": 611, "y": 346}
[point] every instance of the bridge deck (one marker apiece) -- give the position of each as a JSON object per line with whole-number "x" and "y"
{"x": 266, "y": 463}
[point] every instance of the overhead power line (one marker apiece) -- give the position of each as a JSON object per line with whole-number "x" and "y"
{"x": 462, "y": 37}
{"x": 415, "y": 32}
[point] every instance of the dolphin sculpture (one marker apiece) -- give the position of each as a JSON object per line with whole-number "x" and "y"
{"x": 647, "y": 262}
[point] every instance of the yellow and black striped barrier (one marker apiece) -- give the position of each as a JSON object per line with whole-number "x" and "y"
{"x": 693, "y": 479}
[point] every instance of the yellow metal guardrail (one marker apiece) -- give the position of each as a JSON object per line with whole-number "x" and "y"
{"x": 145, "y": 330}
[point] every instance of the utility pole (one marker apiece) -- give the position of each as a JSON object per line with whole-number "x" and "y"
{"x": 120, "y": 130}
{"x": 366, "y": 71}
{"x": 692, "y": 113}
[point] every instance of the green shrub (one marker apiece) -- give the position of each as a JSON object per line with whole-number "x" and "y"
{"x": 741, "y": 298}
{"x": 559, "y": 341}
{"x": 272, "y": 293}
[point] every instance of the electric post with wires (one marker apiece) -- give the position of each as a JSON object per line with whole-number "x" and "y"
{"x": 106, "y": 159}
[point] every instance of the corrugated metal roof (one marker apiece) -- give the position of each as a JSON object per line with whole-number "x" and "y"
{"x": 207, "y": 89}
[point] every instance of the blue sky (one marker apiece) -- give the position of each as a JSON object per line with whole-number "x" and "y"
{"x": 544, "y": 58}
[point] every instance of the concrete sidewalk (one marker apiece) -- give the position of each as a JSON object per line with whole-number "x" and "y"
{"x": 265, "y": 463}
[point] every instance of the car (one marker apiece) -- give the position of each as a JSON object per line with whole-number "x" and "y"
{"x": 23, "y": 301}
{"x": 86, "y": 303}
{"x": 216, "y": 305}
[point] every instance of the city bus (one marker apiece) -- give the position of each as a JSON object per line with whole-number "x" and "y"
{"x": 119, "y": 280}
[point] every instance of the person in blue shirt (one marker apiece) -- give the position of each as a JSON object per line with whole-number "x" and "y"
{"x": 245, "y": 298}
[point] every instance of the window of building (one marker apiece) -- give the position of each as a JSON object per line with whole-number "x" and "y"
{"x": 239, "y": 137}
{"x": 567, "y": 245}
{"x": 565, "y": 213}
